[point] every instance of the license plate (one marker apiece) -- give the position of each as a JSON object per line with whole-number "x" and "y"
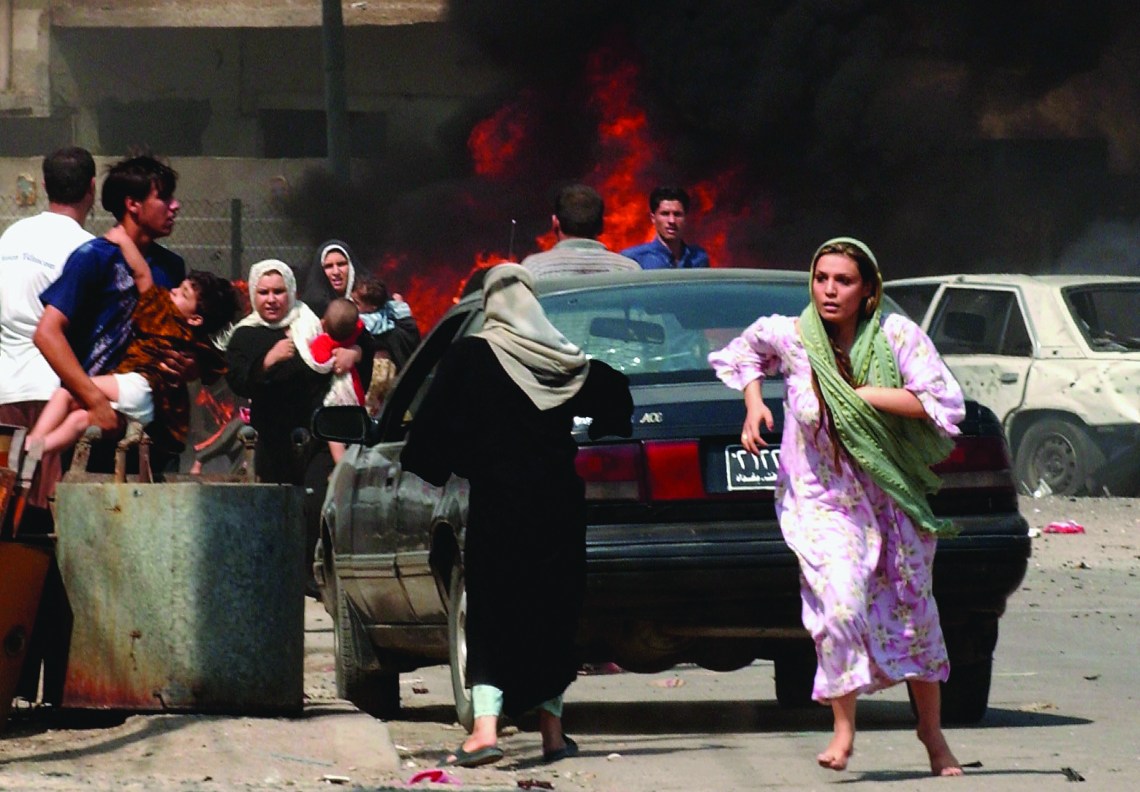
{"x": 748, "y": 471}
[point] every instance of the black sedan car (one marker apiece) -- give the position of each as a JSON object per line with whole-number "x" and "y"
{"x": 685, "y": 560}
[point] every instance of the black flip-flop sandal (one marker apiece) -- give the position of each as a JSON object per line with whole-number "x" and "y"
{"x": 483, "y": 756}
{"x": 565, "y": 752}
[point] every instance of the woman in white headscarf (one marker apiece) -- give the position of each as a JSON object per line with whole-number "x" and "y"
{"x": 271, "y": 365}
{"x": 499, "y": 413}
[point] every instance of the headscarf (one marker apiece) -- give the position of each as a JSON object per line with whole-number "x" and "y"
{"x": 532, "y": 351}
{"x": 303, "y": 325}
{"x": 317, "y": 291}
{"x": 897, "y": 452}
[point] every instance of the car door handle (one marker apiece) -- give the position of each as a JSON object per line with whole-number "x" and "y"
{"x": 1008, "y": 377}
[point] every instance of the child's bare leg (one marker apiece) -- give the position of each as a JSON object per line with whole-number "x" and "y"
{"x": 928, "y": 703}
{"x": 337, "y": 450}
{"x": 67, "y": 433}
{"x": 55, "y": 411}
{"x": 63, "y": 422}
{"x": 842, "y": 745}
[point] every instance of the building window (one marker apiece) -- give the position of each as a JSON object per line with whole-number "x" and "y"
{"x": 301, "y": 133}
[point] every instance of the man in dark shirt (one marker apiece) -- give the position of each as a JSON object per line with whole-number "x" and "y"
{"x": 668, "y": 207}
{"x": 87, "y": 311}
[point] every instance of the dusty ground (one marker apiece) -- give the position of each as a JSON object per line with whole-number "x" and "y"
{"x": 1111, "y": 541}
{"x": 334, "y": 744}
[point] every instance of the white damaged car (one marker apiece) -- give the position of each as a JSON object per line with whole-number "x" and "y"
{"x": 1056, "y": 357}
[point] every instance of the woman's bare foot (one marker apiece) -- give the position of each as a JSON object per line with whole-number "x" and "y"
{"x": 942, "y": 761}
{"x": 837, "y": 752}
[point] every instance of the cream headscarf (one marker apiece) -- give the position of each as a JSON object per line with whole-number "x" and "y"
{"x": 535, "y": 355}
{"x": 302, "y": 324}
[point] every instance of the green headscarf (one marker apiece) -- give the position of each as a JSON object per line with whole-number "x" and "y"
{"x": 897, "y": 452}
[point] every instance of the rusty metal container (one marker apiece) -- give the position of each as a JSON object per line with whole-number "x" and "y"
{"x": 22, "y": 571}
{"x": 23, "y": 568}
{"x": 185, "y": 595}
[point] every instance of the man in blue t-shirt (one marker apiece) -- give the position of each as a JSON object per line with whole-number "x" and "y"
{"x": 87, "y": 311}
{"x": 668, "y": 207}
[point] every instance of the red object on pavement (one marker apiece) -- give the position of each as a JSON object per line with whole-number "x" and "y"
{"x": 433, "y": 776}
{"x": 1066, "y": 527}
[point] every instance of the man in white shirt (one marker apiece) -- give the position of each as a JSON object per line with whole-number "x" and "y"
{"x": 32, "y": 255}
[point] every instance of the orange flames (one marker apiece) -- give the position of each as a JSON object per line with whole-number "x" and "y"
{"x": 629, "y": 163}
{"x": 494, "y": 141}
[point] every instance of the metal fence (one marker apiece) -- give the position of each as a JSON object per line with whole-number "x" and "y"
{"x": 220, "y": 236}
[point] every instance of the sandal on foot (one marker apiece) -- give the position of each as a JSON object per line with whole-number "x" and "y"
{"x": 476, "y": 758}
{"x": 565, "y": 752}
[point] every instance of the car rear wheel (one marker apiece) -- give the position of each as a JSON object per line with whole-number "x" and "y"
{"x": 795, "y": 676}
{"x": 966, "y": 694}
{"x": 374, "y": 692}
{"x": 457, "y": 648}
{"x": 1061, "y": 454}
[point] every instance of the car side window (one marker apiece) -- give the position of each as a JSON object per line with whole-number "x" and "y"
{"x": 1016, "y": 341}
{"x": 980, "y": 322}
{"x": 913, "y": 298}
{"x": 416, "y": 379}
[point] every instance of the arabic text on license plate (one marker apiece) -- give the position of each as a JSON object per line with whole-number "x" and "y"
{"x": 747, "y": 471}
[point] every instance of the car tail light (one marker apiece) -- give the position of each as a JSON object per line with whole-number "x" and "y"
{"x": 977, "y": 462}
{"x": 611, "y": 472}
{"x": 655, "y": 470}
{"x": 674, "y": 470}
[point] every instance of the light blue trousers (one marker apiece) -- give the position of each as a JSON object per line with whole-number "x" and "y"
{"x": 488, "y": 700}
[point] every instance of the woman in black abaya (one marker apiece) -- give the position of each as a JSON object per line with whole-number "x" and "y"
{"x": 499, "y": 413}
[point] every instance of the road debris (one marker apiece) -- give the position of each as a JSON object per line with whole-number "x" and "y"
{"x": 434, "y": 775}
{"x": 668, "y": 682}
{"x": 1072, "y": 774}
{"x": 1065, "y": 527}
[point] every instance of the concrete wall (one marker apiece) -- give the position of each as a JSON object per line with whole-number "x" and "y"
{"x": 25, "y": 34}
{"x": 199, "y": 178}
{"x": 238, "y": 13}
{"x": 111, "y": 75}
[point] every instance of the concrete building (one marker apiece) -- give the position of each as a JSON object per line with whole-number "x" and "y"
{"x": 225, "y": 78}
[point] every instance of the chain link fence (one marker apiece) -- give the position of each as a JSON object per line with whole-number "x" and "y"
{"x": 224, "y": 237}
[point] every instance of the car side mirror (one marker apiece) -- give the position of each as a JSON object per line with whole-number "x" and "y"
{"x": 344, "y": 425}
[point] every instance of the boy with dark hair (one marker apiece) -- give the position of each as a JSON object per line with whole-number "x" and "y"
{"x": 135, "y": 178}
{"x": 668, "y": 210}
{"x": 182, "y": 320}
{"x": 86, "y": 323}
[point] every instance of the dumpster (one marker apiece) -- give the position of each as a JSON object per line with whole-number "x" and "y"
{"x": 186, "y": 595}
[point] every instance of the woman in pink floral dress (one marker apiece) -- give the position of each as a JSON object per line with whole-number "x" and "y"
{"x": 869, "y": 407}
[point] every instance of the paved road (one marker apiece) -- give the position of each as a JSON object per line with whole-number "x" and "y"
{"x": 1067, "y": 676}
{"x": 1064, "y": 695}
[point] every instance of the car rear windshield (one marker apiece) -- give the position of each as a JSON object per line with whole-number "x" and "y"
{"x": 1109, "y": 316}
{"x": 663, "y": 332}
